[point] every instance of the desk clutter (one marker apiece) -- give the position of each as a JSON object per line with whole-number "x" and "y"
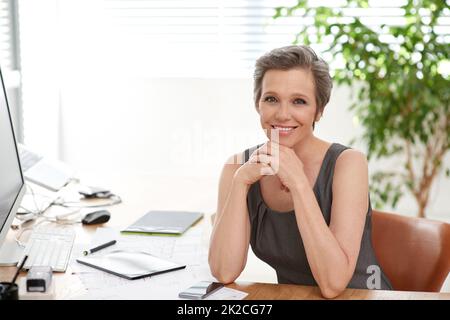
{"x": 155, "y": 257}
{"x": 189, "y": 250}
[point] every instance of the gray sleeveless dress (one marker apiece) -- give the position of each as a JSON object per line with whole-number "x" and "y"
{"x": 276, "y": 240}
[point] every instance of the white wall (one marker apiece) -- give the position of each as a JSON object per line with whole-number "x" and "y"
{"x": 40, "y": 74}
{"x": 165, "y": 126}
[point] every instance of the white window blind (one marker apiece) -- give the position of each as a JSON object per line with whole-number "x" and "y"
{"x": 9, "y": 62}
{"x": 227, "y": 36}
{"x": 216, "y": 36}
{"x": 8, "y": 48}
{"x": 6, "y": 36}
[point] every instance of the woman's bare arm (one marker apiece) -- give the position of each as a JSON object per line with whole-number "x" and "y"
{"x": 230, "y": 236}
{"x": 231, "y": 232}
{"x": 333, "y": 251}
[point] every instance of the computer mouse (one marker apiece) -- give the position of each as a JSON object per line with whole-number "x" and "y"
{"x": 96, "y": 217}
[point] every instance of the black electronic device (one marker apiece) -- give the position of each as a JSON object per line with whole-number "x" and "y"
{"x": 95, "y": 192}
{"x": 96, "y": 217}
{"x": 39, "y": 278}
{"x": 200, "y": 290}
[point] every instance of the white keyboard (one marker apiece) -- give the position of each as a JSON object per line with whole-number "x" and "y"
{"x": 49, "y": 246}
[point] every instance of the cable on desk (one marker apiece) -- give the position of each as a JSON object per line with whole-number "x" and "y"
{"x": 115, "y": 199}
{"x": 38, "y": 210}
{"x": 61, "y": 218}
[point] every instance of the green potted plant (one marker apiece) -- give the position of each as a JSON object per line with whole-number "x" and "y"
{"x": 402, "y": 90}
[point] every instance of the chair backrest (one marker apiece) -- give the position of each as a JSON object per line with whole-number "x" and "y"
{"x": 413, "y": 252}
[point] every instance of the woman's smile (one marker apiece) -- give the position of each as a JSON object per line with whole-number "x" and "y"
{"x": 284, "y": 131}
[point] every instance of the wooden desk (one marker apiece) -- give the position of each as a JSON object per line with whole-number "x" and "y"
{"x": 266, "y": 291}
{"x": 141, "y": 193}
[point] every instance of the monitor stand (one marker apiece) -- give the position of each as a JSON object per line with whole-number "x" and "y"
{"x": 10, "y": 253}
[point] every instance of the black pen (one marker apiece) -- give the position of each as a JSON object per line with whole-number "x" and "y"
{"x": 100, "y": 247}
{"x": 19, "y": 268}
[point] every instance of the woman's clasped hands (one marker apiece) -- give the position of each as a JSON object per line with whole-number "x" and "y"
{"x": 272, "y": 158}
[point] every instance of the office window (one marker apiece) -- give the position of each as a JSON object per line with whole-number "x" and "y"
{"x": 9, "y": 51}
{"x": 130, "y": 63}
{"x": 6, "y": 42}
{"x": 198, "y": 38}
{"x": 9, "y": 61}
{"x": 221, "y": 37}
{"x": 210, "y": 38}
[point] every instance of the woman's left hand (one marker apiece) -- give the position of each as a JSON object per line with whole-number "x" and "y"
{"x": 284, "y": 162}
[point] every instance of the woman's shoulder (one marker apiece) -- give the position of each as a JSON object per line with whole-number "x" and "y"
{"x": 351, "y": 156}
{"x": 351, "y": 161}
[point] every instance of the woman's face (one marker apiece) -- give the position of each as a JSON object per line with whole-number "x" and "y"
{"x": 287, "y": 105}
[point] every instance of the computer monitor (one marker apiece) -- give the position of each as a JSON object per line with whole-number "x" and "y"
{"x": 12, "y": 186}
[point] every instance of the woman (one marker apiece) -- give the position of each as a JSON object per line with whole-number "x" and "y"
{"x": 302, "y": 203}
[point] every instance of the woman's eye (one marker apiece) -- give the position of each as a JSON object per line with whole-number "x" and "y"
{"x": 299, "y": 101}
{"x": 270, "y": 99}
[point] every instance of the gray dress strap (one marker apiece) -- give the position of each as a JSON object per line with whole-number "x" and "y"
{"x": 275, "y": 237}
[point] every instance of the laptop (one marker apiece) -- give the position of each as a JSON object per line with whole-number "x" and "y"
{"x": 50, "y": 174}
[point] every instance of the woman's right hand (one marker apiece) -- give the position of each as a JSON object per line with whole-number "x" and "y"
{"x": 251, "y": 171}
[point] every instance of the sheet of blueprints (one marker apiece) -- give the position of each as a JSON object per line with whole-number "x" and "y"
{"x": 190, "y": 249}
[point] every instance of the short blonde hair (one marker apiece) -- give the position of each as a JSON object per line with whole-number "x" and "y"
{"x": 291, "y": 57}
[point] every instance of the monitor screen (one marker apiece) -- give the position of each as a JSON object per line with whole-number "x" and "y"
{"x": 11, "y": 180}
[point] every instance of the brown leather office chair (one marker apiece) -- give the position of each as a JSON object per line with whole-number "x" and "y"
{"x": 413, "y": 252}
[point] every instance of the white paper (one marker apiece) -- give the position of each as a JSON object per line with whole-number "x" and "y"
{"x": 166, "y": 286}
{"x": 227, "y": 294}
{"x": 188, "y": 249}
